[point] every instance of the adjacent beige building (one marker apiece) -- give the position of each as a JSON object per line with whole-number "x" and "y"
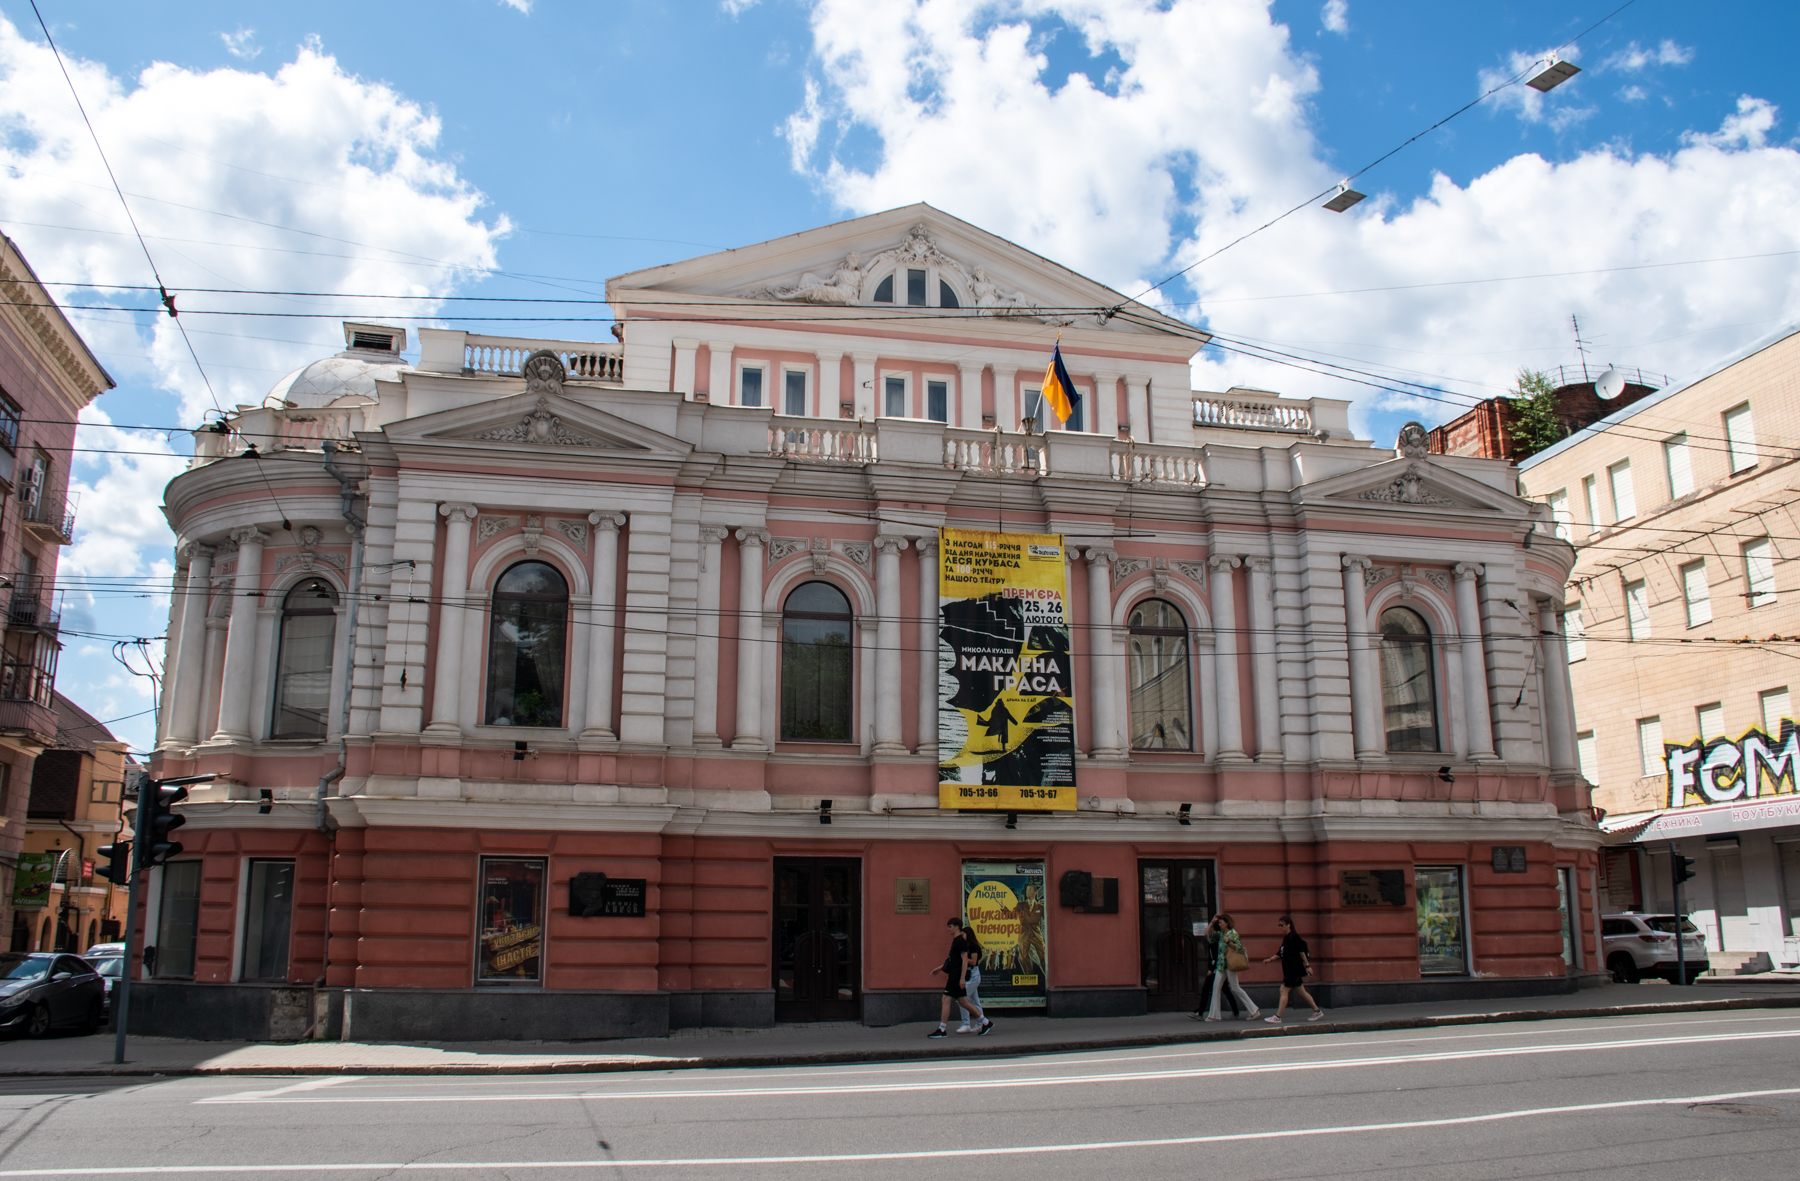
{"x": 1683, "y": 617}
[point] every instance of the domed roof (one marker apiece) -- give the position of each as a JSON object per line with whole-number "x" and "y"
{"x": 352, "y": 372}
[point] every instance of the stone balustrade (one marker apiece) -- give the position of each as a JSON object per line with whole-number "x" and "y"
{"x": 1253, "y": 416}
{"x": 503, "y": 355}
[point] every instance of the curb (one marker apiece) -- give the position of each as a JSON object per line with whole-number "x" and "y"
{"x": 972, "y": 1049}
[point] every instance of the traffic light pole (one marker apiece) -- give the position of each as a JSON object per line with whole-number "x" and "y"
{"x": 1681, "y": 976}
{"x": 122, "y": 994}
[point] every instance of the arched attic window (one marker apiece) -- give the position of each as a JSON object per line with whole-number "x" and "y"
{"x": 527, "y": 636}
{"x": 303, "y": 661}
{"x": 1408, "y": 681}
{"x": 817, "y": 665}
{"x": 1157, "y": 663}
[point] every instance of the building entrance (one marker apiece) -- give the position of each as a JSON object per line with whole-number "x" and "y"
{"x": 818, "y": 939}
{"x": 1176, "y": 902}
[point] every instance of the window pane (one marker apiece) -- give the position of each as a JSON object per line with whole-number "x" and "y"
{"x": 1694, "y": 593}
{"x": 796, "y": 394}
{"x": 303, "y": 666}
{"x": 1681, "y": 470}
{"x": 894, "y": 389}
{"x": 1588, "y": 756}
{"x": 1576, "y": 633}
{"x": 750, "y": 388}
{"x": 1740, "y": 438}
{"x": 1157, "y": 664}
{"x": 268, "y": 920}
{"x": 1407, "y": 690}
{"x": 1034, "y": 407}
{"x": 1637, "y": 611}
{"x": 915, "y": 288}
{"x": 937, "y": 401}
{"x": 179, "y": 919}
{"x": 1650, "y": 746}
{"x": 884, "y": 290}
{"x": 1624, "y": 502}
{"x": 946, "y": 296}
{"x": 512, "y": 924}
{"x": 1711, "y": 721}
{"x": 1759, "y": 571}
{"x": 1591, "y": 498}
{"x": 817, "y": 663}
{"x": 1442, "y": 947}
{"x": 1559, "y": 514}
{"x": 526, "y": 641}
{"x": 1775, "y": 707}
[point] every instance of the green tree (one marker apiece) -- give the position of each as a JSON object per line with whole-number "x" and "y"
{"x": 1536, "y": 420}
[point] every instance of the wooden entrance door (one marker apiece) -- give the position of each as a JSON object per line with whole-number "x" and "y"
{"x": 1176, "y": 901}
{"x": 818, "y": 944}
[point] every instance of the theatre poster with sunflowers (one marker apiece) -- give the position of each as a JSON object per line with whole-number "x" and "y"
{"x": 1006, "y": 722}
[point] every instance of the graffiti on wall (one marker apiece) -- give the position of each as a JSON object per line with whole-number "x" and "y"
{"x": 1720, "y": 770}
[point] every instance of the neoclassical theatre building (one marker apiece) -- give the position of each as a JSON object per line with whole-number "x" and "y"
{"x": 594, "y": 688}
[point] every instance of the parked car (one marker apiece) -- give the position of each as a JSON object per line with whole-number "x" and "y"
{"x": 42, "y": 990}
{"x": 109, "y": 971}
{"x": 103, "y": 951}
{"x": 1640, "y": 945}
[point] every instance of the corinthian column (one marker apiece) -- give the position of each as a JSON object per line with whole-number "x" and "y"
{"x": 752, "y": 545}
{"x": 1103, "y": 664}
{"x": 1559, "y": 708}
{"x": 1262, "y": 649}
{"x": 1474, "y": 663}
{"x": 446, "y": 693}
{"x": 601, "y": 641}
{"x": 1365, "y": 692}
{"x": 887, "y": 646}
{"x": 236, "y": 691}
{"x": 706, "y": 639}
{"x": 190, "y": 651}
{"x": 928, "y": 645}
{"x": 1224, "y": 622}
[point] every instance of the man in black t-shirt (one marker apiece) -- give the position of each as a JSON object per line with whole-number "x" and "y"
{"x": 956, "y": 967}
{"x": 1295, "y": 968}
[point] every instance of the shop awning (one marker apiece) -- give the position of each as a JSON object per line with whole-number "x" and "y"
{"x": 1676, "y": 823}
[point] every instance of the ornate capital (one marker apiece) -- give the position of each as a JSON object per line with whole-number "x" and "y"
{"x": 753, "y": 537}
{"x": 248, "y": 535}
{"x": 1355, "y": 562}
{"x": 459, "y": 514}
{"x": 1101, "y": 555}
{"x": 1223, "y": 562}
{"x": 711, "y": 534}
{"x": 610, "y": 523}
{"x": 1260, "y": 565}
{"x": 926, "y": 546}
{"x": 197, "y": 551}
{"x": 1468, "y": 571}
{"x": 889, "y": 544}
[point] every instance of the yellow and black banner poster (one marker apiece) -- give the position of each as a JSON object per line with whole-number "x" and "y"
{"x": 1006, "y": 728}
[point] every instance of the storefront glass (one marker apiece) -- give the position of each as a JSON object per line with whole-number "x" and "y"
{"x": 512, "y": 924}
{"x": 1443, "y": 938}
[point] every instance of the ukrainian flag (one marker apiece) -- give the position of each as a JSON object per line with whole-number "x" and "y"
{"x": 1059, "y": 392}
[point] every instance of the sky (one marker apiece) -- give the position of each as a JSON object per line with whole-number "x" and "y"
{"x": 413, "y": 159}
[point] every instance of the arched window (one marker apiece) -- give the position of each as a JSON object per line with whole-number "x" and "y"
{"x": 816, "y": 664}
{"x": 1157, "y": 664}
{"x": 526, "y": 638}
{"x": 1408, "y": 689}
{"x": 303, "y": 663}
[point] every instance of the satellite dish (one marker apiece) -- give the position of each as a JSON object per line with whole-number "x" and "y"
{"x": 1610, "y": 384}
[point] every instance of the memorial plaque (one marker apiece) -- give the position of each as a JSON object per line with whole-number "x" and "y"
{"x": 1372, "y": 887}
{"x": 594, "y": 895}
{"x": 912, "y": 895}
{"x": 1509, "y": 858}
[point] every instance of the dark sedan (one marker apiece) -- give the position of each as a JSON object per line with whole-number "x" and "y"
{"x": 40, "y": 991}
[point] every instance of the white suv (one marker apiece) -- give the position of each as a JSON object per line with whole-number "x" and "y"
{"x": 1640, "y": 945}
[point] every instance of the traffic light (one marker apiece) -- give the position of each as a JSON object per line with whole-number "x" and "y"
{"x": 117, "y": 869}
{"x": 155, "y": 820}
{"x": 1684, "y": 869}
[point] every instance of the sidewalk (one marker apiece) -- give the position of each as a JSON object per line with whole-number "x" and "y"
{"x": 844, "y": 1042}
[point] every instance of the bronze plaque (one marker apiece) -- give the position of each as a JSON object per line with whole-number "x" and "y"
{"x": 912, "y": 895}
{"x": 1372, "y": 887}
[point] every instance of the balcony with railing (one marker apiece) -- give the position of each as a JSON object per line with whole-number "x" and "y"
{"x": 502, "y": 356}
{"x": 49, "y": 515}
{"x": 28, "y": 606}
{"x": 28, "y": 656}
{"x": 1253, "y": 414}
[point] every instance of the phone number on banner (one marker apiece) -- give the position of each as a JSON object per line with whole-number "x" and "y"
{"x": 1005, "y": 799}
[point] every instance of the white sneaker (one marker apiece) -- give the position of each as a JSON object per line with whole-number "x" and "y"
{"x": 1276, "y": 1020}
{"x": 965, "y": 1029}
{"x": 1316, "y": 1014}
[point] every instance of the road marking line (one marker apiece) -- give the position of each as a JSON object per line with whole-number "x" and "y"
{"x": 311, "y": 1084}
{"x": 924, "y": 1154}
{"x": 1029, "y": 1081}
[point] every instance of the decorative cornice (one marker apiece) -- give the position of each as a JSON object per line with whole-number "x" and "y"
{"x": 20, "y": 295}
{"x": 539, "y": 426}
{"x": 1407, "y": 488}
{"x": 486, "y": 527}
{"x": 782, "y": 548}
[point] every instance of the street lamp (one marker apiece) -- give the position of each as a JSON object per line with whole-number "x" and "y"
{"x": 1553, "y": 75}
{"x": 1346, "y": 197}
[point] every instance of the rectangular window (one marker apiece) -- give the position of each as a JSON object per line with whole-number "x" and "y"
{"x": 750, "y": 387}
{"x": 1740, "y": 438}
{"x": 512, "y": 921}
{"x": 915, "y": 288}
{"x": 1681, "y": 470}
{"x": 1624, "y": 502}
{"x": 1711, "y": 721}
{"x": 1590, "y": 497}
{"x": 1034, "y": 408}
{"x": 1650, "y": 746}
{"x": 895, "y": 400}
{"x": 937, "y": 401}
{"x": 179, "y": 919}
{"x": 1694, "y": 593}
{"x": 1588, "y": 755}
{"x": 1443, "y": 942}
{"x": 1637, "y": 610}
{"x": 1775, "y": 706}
{"x": 795, "y": 395}
{"x": 268, "y": 920}
{"x": 1565, "y": 908}
{"x": 9, "y": 423}
{"x": 1559, "y": 514}
{"x": 1759, "y": 572}
{"x": 1575, "y": 633}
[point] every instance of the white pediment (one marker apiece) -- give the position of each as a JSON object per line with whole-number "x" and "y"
{"x": 1413, "y": 483}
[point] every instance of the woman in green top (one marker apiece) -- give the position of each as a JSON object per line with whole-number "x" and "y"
{"x": 1222, "y": 939}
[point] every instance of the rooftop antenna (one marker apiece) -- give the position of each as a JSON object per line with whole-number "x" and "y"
{"x": 1580, "y": 345}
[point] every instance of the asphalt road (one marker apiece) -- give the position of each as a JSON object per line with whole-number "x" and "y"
{"x": 1675, "y": 1096}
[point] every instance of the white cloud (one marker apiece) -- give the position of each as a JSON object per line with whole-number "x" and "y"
{"x": 1635, "y": 57}
{"x": 523, "y": 6}
{"x": 737, "y": 8}
{"x": 240, "y": 44}
{"x": 1633, "y": 94}
{"x": 1335, "y": 16}
{"x": 1208, "y": 136}
{"x": 1529, "y": 103}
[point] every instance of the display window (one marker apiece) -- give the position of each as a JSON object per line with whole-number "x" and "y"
{"x": 1443, "y": 921}
{"x": 512, "y": 921}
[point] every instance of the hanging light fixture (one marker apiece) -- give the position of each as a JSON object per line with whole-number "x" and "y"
{"x": 1553, "y": 75}
{"x": 1346, "y": 197}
